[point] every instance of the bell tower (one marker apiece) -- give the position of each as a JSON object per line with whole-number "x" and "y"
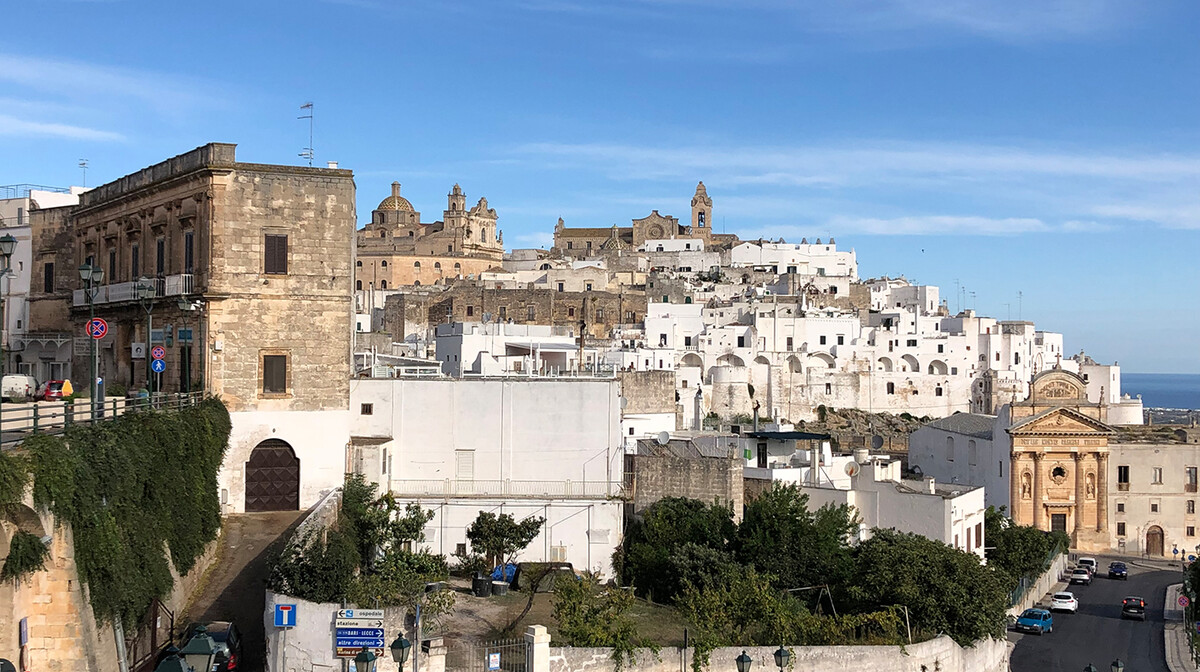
{"x": 702, "y": 213}
{"x": 455, "y": 215}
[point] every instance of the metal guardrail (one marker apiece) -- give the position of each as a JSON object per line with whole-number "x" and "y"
{"x": 506, "y": 488}
{"x": 19, "y": 420}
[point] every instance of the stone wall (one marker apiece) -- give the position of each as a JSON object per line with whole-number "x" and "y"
{"x": 710, "y": 480}
{"x": 647, "y": 391}
{"x": 941, "y": 653}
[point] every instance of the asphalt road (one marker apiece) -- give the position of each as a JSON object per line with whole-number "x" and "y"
{"x": 1097, "y": 634}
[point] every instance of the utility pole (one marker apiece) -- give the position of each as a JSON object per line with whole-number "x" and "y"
{"x": 1019, "y": 305}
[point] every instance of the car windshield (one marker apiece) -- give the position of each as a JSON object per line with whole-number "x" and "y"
{"x": 1032, "y": 614}
{"x": 1081, "y": 571}
{"x": 55, "y": 386}
{"x": 1064, "y": 596}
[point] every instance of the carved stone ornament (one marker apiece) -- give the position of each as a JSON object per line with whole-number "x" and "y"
{"x": 1058, "y": 474}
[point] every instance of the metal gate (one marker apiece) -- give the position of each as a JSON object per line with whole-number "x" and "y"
{"x": 502, "y": 655}
{"x": 273, "y": 478}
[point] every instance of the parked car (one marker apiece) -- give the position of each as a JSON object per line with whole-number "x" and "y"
{"x": 1035, "y": 620}
{"x": 1081, "y": 575}
{"x": 1118, "y": 570}
{"x": 53, "y": 390}
{"x": 1133, "y": 607}
{"x": 16, "y": 386}
{"x": 1064, "y": 602}
{"x": 1089, "y": 564}
{"x": 228, "y": 640}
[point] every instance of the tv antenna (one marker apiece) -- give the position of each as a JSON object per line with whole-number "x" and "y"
{"x": 83, "y": 163}
{"x": 307, "y": 153}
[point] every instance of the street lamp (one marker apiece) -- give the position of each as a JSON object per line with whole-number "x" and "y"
{"x": 1090, "y": 668}
{"x": 8, "y": 245}
{"x": 365, "y": 660}
{"x": 92, "y": 276}
{"x": 1118, "y": 666}
{"x": 782, "y": 656}
{"x": 172, "y": 662}
{"x": 400, "y": 649}
{"x": 146, "y": 292}
{"x": 200, "y": 650}
{"x": 743, "y": 662}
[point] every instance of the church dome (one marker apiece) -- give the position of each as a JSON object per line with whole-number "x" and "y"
{"x": 395, "y": 201}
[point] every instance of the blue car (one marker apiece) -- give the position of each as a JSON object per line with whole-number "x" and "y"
{"x": 1035, "y": 620}
{"x": 1118, "y": 570}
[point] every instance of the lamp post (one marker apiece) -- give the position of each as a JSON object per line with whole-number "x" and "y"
{"x": 1118, "y": 666}
{"x": 146, "y": 293}
{"x": 365, "y": 660}
{"x": 8, "y": 245}
{"x": 1090, "y": 668}
{"x": 92, "y": 276}
{"x": 400, "y": 648}
{"x": 782, "y": 656}
{"x": 743, "y": 662}
{"x": 172, "y": 662}
{"x": 200, "y": 650}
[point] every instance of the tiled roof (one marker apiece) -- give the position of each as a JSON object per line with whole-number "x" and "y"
{"x": 968, "y": 424}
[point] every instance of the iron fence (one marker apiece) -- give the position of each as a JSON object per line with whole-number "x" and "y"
{"x": 18, "y": 421}
{"x": 502, "y": 655}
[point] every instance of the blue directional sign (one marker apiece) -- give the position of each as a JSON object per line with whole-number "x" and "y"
{"x": 369, "y": 633}
{"x": 285, "y": 615}
{"x": 359, "y": 642}
{"x": 158, "y": 366}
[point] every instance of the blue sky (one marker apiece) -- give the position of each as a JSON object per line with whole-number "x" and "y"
{"x": 1047, "y": 147}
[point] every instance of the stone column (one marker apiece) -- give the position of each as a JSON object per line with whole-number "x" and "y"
{"x": 1102, "y": 493}
{"x": 1038, "y": 513}
{"x": 1014, "y": 487}
{"x": 1080, "y": 498}
{"x": 434, "y": 659}
{"x": 537, "y": 653}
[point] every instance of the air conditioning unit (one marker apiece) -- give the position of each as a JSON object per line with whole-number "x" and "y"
{"x": 558, "y": 554}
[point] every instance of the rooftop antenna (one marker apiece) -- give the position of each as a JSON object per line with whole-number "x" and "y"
{"x": 1019, "y": 305}
{"x": 83, "y": 163}
{"x": 308, "y": 151}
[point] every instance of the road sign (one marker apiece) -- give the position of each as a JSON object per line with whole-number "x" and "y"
{"x": 494, "y": 661}
{"x": 373, "y": 633}
{"x": 158, "y": 352}
{"x": 1198, "y": 627}
{"x": 1184, "y": 601}
{"x": 350, "y": 651}
{"x": 285, "y": 615}
{"x": 360, "y": 613}
{"x": 1175, "y": 551}
{"x": 358, "y": 623}
{"x": 158, "y": 366}
{"x": 359, "y": 642}
{"x": 97, "y": 328}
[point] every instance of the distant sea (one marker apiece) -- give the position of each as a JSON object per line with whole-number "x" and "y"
{"x": 1163, "y": 390}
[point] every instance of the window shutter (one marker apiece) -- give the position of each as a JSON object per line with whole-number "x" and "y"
{"x": 275, "y": 254}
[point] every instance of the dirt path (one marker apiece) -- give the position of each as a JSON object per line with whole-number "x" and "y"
{"x": 235, "y": 588}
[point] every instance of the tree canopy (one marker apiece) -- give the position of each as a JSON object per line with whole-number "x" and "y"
{"x": 498, "y": 536}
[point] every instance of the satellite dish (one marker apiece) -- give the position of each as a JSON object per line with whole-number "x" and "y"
{"x": 663, "y": 438}
{"x": 876, "y": 442}
{"x": 852, "y": 469}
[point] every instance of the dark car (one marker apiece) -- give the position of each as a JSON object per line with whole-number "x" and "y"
{"x": 1118, "y": 570}
{"x": 228, "y": 640}
{"x": 1133, "y": 607}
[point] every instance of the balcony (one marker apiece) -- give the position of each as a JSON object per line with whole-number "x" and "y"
{"x": 1189, "y": 487}
{"x": 1123, "y": 487}
{"x": 507, "y": 488}
{"x": 181, "y": 284}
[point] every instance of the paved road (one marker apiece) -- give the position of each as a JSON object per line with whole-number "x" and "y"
{"x": 1097, "y": 634}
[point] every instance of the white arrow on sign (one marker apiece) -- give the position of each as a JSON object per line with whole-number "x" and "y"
{"x": 358, "y": 623}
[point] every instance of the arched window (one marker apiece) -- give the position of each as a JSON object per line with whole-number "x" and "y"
{"x": 358, "y": 285}
{"x": 949, "y": 448}
{"x": 700, "y": 218}
{"x": 358, "y": 263}
{"x": 457, "y": 267}
{"x": 891, "y": 388}
{"x": 383, "y": 263}
{"x": 416, "y": 267}
{"x": 687, "y": 299}
{"x": 410, "y": 234}
{"x": 383, "y": 284}
{"x": 383, "y": 234}
{"x": 483, "y": 235}
{"x": 437, "y": 265}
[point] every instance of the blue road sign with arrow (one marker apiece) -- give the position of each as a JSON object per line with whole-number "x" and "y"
{"x": 359, "y": 642}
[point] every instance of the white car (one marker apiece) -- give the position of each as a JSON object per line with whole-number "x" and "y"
{"x": 1064, "y": 602}
{"x": 1090, "y": 564}
{"x": 1081, "y": 575}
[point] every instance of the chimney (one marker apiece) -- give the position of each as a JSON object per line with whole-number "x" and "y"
{"x": 932, "y": 486}
{"x": 331, "y": 164}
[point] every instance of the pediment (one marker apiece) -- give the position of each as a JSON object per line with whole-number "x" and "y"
{"x": 1060, "y": 421}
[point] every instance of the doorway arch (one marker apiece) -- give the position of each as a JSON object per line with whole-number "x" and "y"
{"x": 1154, "y": 541}
{"x": 273, "y": 477}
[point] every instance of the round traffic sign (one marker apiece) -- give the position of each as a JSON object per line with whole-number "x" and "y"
{"x": 97, "y": 328}
{"x": 158, "y": 352}
{"x": 1184, "y": 601}
{"x": 158, "y": 366}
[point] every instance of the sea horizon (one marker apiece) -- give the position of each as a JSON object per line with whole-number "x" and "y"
{"x": 1163, "y": 390}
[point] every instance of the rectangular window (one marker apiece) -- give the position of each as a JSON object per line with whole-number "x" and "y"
{"x": 560, "y": 286}
{"x": 912, "y": 342}
{"x": 531, "y": 312}
{"x": 1191, "y": 507}
{"x": 470, "y": 311}
{"x": 1190, "y": 486}
{"x": 1191, "y": 531}
{"x": 570, "y": 245}
{"x": 1123, "y": 477}
{"x": 464, "y": 465}
{"x": 1156, "y": 477}
{"x": 741, "y": 341}
{"x": 589, "y": 287}
{"x": 48, "y": 280}
{"x": 275, "y": 255}
{"x": 941, "y": 348}
{"x": 503, "y": 312}
{"x": 1120, "y": 507}
{"x": 135, "y": 262}
{"x": 789, "y": 343}
{"x": 823, "y": 340}
{"x": 828, "y": 388}
{"x": 1120, "y": 529}
{"x": 589, "y": 244}
{"x": 366, "y": 409}
{"x": 841, "y": 340}
{"x": 1154, "y": 507}
{"x": 189, "y": 251}
{"x": 160, "y": 257}
{"x": 274, "y": 377}
{"x": 112, "y": 265}
{"x": 954, "y": 370}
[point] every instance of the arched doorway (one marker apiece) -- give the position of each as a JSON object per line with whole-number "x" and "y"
{"x": 1154, "y": 541}
{"x": 273, "y": 478}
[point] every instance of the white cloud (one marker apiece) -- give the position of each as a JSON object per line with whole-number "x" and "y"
{"x": 11, "y": 126}
{"x": 1180, "y": 216}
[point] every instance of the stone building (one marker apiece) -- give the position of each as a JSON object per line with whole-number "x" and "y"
{"x": 579, "y": 242}
{"x": 245, "y": 272}
{"x": 396, "y": 248}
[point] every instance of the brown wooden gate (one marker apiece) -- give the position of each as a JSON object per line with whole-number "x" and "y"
{"x": 1154, "y": 541}
{"x": 273, "y": 478}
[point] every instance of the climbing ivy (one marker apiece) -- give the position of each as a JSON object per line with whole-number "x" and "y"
{"x": 132, "y": 490}
{"x": 26, "y": 555}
